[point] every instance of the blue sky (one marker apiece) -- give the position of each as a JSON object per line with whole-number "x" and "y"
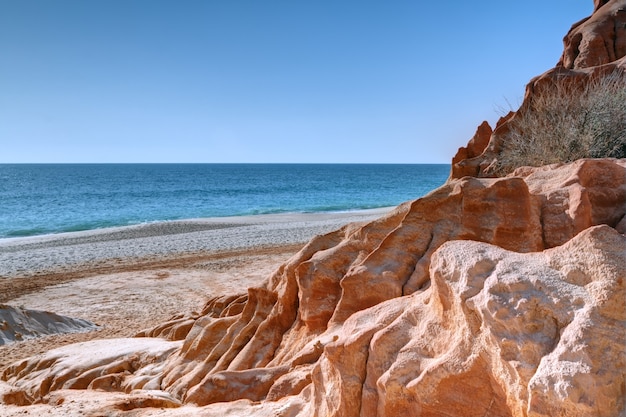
{"x": 265, "y": 81}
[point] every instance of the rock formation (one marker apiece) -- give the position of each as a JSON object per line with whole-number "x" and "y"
{"x": 487, "y": 297}
{"x": 597, "y": 40}
{"x": 593, "y": 47}
{"x": 19, "y": 324}
{"x": 498, "y": 333}
{"x": 504, "y": 293}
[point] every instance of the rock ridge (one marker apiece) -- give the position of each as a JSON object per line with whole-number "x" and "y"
{"x": 17, "y": 323}
{"x": 504, "y": 293}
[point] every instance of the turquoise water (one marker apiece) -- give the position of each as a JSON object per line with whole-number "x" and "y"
{"x": 40, "y": 198}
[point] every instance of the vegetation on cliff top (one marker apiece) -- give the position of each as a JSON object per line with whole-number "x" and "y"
{"x": 566, "y": 122}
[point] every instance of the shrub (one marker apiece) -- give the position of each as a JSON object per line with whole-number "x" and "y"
{"x": 567, "y": 122}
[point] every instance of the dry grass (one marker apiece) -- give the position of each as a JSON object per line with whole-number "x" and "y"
{"x": 566, "y": 122}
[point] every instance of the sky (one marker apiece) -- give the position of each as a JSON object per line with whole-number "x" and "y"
{"x": 271, "y": 81}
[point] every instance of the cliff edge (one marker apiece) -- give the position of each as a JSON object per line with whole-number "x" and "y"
{"x": 593, "y": 48}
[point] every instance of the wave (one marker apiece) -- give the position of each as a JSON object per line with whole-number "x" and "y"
{"x": 69, "y": 198}
{"x": 96, "y": 225}
{"x": 79, "y": 227}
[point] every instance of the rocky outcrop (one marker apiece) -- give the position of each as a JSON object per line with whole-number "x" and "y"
{"x": 100, "y": 364}
{"x": 594, "y": 47}
{"x": 498, "y": 333}
{"x": 487, "y": 297}
{"x": 18, "y": 324}
{"x": 411, "y": 314}
{"x": 597, "y": 40}
{"x": 475, "y": 147}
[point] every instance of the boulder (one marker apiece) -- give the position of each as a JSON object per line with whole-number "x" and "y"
{"x": 497, "y": 333}
{"x": 17, "y": 324}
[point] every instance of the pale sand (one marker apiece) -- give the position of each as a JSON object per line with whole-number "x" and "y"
{"x": 25, "y": 257}
{"x": 132, "y": 278}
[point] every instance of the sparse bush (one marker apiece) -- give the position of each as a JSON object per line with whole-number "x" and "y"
{"x": 566, "y": 122}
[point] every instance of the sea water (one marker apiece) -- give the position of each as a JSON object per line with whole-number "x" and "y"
{"x": 52, "y": 198}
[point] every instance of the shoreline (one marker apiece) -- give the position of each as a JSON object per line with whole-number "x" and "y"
{"x": 218, "y": 222}
{"x": 165, "y": 268}
{"x": 122, "y": 247}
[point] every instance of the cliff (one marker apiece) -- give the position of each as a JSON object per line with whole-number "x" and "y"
{"x": 594, "y": 47}
{"x": 487, "y": 297}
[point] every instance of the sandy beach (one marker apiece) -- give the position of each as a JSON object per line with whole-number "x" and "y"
{"x": 131, "y": 278}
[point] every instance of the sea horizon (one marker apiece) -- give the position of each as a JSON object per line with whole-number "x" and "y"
{"x": 224, "y": 163}
{"x": 50, "y": 198}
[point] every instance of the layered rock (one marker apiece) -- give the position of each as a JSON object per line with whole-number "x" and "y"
{"x": 597, "y": 40}
{"x": 118, "y": 365}
{"x": 410, "y": 315}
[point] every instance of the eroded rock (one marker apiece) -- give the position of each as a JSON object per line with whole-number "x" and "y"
{"x": 17, "y": 323}
{"x": 498, "y": 333}
{"x": 593, "y": 48}
{"x": 408, "y": 314}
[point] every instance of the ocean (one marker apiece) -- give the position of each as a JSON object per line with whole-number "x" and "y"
{"x": 38, "y": 199}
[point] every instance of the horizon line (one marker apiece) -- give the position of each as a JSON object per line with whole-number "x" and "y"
{"x": 225, "y": 163}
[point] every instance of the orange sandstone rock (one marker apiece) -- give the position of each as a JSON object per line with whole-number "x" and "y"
{"x": 497, "y": 333}
{"x": 418, "y": 318}
{"x": 487, "y": 297}
{"x": 597, "y": 40}
{"x": 594, "y": 47}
